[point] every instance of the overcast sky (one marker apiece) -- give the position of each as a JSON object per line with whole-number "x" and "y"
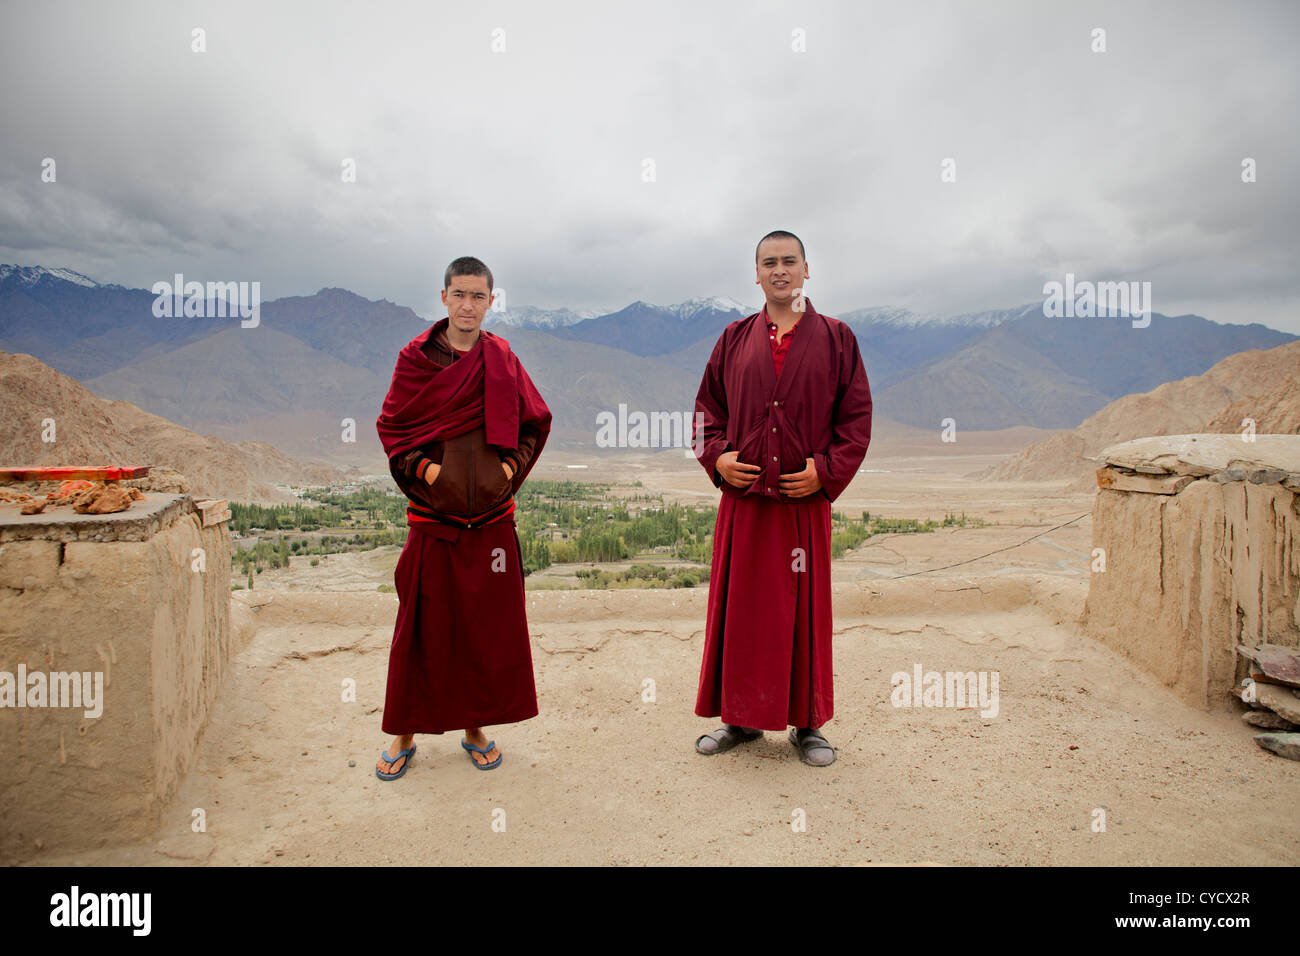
{"x": 226, "y": 164}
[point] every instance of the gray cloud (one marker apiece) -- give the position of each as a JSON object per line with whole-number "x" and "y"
{"x": 226, "y": 164}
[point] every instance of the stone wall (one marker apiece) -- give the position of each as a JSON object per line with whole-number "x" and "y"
{"x": 1201, "y": 540}
{"x": 142, "y": 597}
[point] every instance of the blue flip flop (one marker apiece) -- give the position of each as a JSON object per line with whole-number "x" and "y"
{"x": 405, "y": 753}
{"x": 484, "y": 751}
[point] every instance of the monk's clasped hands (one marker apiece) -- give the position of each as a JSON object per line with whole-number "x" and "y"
{"x": 796, "y": 485}
{"x": 801, "y": 483}
{"x": 735, "y": 472}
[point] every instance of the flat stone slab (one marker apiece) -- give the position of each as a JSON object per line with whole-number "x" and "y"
{"x": 1284, "y": 745}
{"x": 1279, "y": 664}
{"x": 1267, "y": 720}
{"x": 140, "y": 522}
{"x": 1280, "y": 700}
{"x": 1208, "y": 454}
{"x": 1164, "y": 484}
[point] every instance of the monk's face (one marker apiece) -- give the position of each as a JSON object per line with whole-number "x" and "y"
{"x": 781, "y": 269}
{"x": 467, "y": 300}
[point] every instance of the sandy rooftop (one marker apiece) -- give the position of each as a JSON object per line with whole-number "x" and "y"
{"x": 602, "y": 776}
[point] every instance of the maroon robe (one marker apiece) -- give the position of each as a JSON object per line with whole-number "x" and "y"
{"x": 767, "y": 646}
{"x": 460, "y": 655}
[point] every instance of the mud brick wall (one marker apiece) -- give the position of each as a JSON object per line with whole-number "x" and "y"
{"x": 124, "y": 595}
{"x": 1192, "y": 574}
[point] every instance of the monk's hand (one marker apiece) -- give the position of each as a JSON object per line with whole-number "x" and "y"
{"x": 735, "y": 472}
{"x": 510, "y": 472}
{"x": 801, "y": 483}
{"x": 431, "y": 473}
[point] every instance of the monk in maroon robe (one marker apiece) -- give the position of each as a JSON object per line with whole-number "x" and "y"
{"x": 783, "y": 420}
{"x": 462, "y": 426}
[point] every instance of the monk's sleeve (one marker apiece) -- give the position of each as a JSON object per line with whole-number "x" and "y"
{"x": 709, "y": 427}
{"x": 534, "y": 422}
{"x": 413, "y": 463}
{"x": 851, "y": 426}
{"x": 521, "y": 456}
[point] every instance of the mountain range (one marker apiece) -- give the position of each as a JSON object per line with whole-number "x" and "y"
{"x": 311, "y": 377}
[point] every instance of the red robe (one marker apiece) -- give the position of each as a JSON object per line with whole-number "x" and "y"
{"x": 767, "y": 646}
{"x": 461, "y": 655}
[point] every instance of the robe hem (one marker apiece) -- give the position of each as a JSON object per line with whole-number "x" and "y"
{"x": 493, "y": 722}
{"x": 759, "y": 725}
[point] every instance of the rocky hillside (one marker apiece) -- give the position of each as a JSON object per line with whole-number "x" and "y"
{"x": 1276, "y": 411}
{"x": 1259, "y": 384}
{"x": 91, "y": 430}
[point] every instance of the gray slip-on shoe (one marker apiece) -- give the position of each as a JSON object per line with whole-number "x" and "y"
{"x": 814, "y": 749}
{"x": 724, "y": 738}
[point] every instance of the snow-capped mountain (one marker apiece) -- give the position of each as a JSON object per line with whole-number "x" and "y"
{"x": 693, "y": 307}
{"x": 642, "y": 327}
{"x": 531, "y": 317}
{"x": 30, "y": 275}
{"x": 906, "y": 319}
{"x": 647, "y": 329}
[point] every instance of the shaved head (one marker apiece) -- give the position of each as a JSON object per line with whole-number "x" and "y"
{"x": 780, "y": 234}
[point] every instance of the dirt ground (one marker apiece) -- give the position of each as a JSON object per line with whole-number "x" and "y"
{"x": 285, "y": 769}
